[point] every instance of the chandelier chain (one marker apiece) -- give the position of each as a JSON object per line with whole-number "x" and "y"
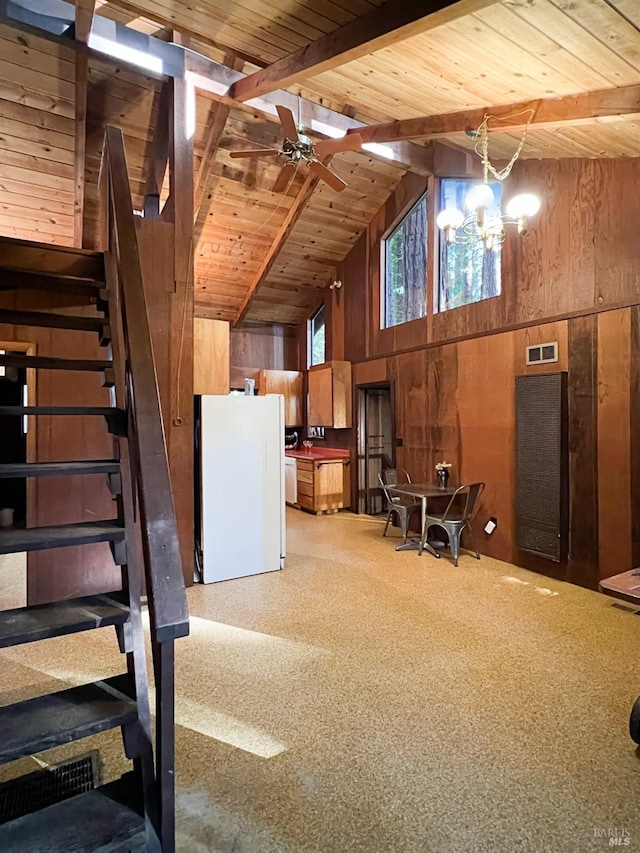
{"x": 482, "y": 149}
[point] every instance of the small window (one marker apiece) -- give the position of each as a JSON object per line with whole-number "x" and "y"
{"x": 404, "y": 261}
{"x": 468, "y": 272}
{"x": 317, "y": 346}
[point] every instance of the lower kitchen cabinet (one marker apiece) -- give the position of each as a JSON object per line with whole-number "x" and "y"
{"x": 324, "y": 485}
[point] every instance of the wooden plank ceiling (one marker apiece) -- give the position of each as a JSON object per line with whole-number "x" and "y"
{"x": 267, "y": 257}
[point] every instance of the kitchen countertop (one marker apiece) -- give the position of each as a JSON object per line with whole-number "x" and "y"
{"x": 318, "y": 453}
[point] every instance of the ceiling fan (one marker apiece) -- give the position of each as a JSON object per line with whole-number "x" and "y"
{"x": 299, "y": 148}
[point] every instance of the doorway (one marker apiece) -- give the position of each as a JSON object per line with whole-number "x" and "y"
{"x": 13, "y": 447}
{"x": 376, "y": 444}
{"x": 17, "y": 388}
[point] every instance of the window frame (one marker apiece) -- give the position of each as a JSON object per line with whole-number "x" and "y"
{"x": 310, "y": 335}
{"x": 422, "y": 198}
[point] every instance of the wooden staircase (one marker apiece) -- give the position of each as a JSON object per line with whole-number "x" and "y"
{"x": 136, "y": 811}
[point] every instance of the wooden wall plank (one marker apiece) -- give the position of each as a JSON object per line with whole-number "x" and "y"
{"x": 486, "y": 449}
{"x": 614, "y": 442}
{"x": 582, "y": 566}
{"x": 634, "y": 428}
{"x": 272, "y": 348}
{"x": 355, "y": 301}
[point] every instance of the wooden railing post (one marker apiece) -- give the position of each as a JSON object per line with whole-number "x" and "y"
{"x": 168, "y": 614}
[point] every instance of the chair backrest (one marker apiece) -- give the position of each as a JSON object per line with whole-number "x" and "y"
{"x": 392, "y": 477}
{"x": 462, "y": 503}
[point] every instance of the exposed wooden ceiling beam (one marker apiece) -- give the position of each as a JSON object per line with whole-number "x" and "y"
{"x": 82, "y": 27}
{"x": 84, "y": 18}
{"x": 278, "y": 242}
{"x": 545, "y": 112}
{"x": 158, "y": 155}
{"x": 216, "y": 80}
{"x": 216, "y": 121}
{"x": 379, "y": 28}
{"x": 218, "y": 115}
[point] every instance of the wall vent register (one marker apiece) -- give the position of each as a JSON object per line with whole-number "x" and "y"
{"x": 542, "y": 353}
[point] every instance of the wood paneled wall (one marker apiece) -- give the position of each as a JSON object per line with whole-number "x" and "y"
{"x": 575, "y": 279}
{"x": 37, "y": 142}
{"x": 255, "y": 348}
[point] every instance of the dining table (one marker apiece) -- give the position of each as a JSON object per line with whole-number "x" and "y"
{"x": 425, "y": 492}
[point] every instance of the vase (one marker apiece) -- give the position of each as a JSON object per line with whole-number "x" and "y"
{"x": 443, "y": 477}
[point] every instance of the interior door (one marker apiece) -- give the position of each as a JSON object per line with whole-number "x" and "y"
{"x": 376, "y": 445}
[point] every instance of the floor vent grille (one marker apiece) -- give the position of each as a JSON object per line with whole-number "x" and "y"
{"x": 50, "y": 785}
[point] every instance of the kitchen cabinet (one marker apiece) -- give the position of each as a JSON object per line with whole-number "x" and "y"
{"x": 324, "y": 485}
{"x": 289, "y": 383}
{"x": 210, "y": 356}
{"x": 330, "y": 394}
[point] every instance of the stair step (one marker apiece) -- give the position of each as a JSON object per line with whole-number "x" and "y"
{"x": 116, "y": 418}
{"x": 45, "y": 258}
{"x": 56, "y": 718}
{"x": 42, "y": 621}
{"x": 15, "y": 470}
{"x": 60, "y": 410}
{"x": 39, "y": 362}
{"x": 50, "y": 282}
{"x": 53, "y": 321}
{"x": 60, "y": 536}
{"x": 94, "y": 822}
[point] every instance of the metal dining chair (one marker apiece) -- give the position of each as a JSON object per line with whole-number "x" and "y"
{"x": 402, "y": 505}
{"x": 455, "y": 518}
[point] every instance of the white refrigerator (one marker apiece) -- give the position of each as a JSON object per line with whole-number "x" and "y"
{"x": 242, "y": 486}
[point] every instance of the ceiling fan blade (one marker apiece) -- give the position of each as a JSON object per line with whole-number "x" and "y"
{"x": 329, "y": 177}
{"x": 288, "y": 123}
{"x": 350, "y": 142}
{"x": 285, "y": 175}
{"x": 256, "y": 152}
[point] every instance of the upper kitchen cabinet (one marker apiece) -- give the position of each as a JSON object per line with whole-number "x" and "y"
{"x": 330, "y": 394}
{"x": 210, "y": 356}
{"x": 289, "y": 383}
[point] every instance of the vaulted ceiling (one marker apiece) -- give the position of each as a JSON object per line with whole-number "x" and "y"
{"x": 573, "y": 67}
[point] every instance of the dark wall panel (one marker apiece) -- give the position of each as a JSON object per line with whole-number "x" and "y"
{"x": 583, "y": 448}
{"x": 634, "y": 428}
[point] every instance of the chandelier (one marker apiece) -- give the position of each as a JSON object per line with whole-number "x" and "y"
{"x": 480, "y": 223}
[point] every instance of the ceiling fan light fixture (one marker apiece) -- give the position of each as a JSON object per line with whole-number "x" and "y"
{"x": 297, "y": 147}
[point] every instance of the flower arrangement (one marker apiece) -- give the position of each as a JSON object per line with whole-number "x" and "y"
{"x": 442, "y": 466}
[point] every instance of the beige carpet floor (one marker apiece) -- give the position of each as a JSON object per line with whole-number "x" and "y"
{"x": 368, "y": 700}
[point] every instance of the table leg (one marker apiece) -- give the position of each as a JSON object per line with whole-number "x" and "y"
{"x": 416, "y": 544}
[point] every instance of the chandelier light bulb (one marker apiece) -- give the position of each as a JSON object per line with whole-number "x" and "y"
{"x": 523, "y": 206}
{"x": 479, "y": 196}
{"x": 450, "y": 217}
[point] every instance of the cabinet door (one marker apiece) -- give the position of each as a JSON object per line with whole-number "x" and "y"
{"x": 328, "y": 486}
{"x": 289, "y": 383}
{"x": 210, "y": 356}
{"x": 321, "y": 397}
